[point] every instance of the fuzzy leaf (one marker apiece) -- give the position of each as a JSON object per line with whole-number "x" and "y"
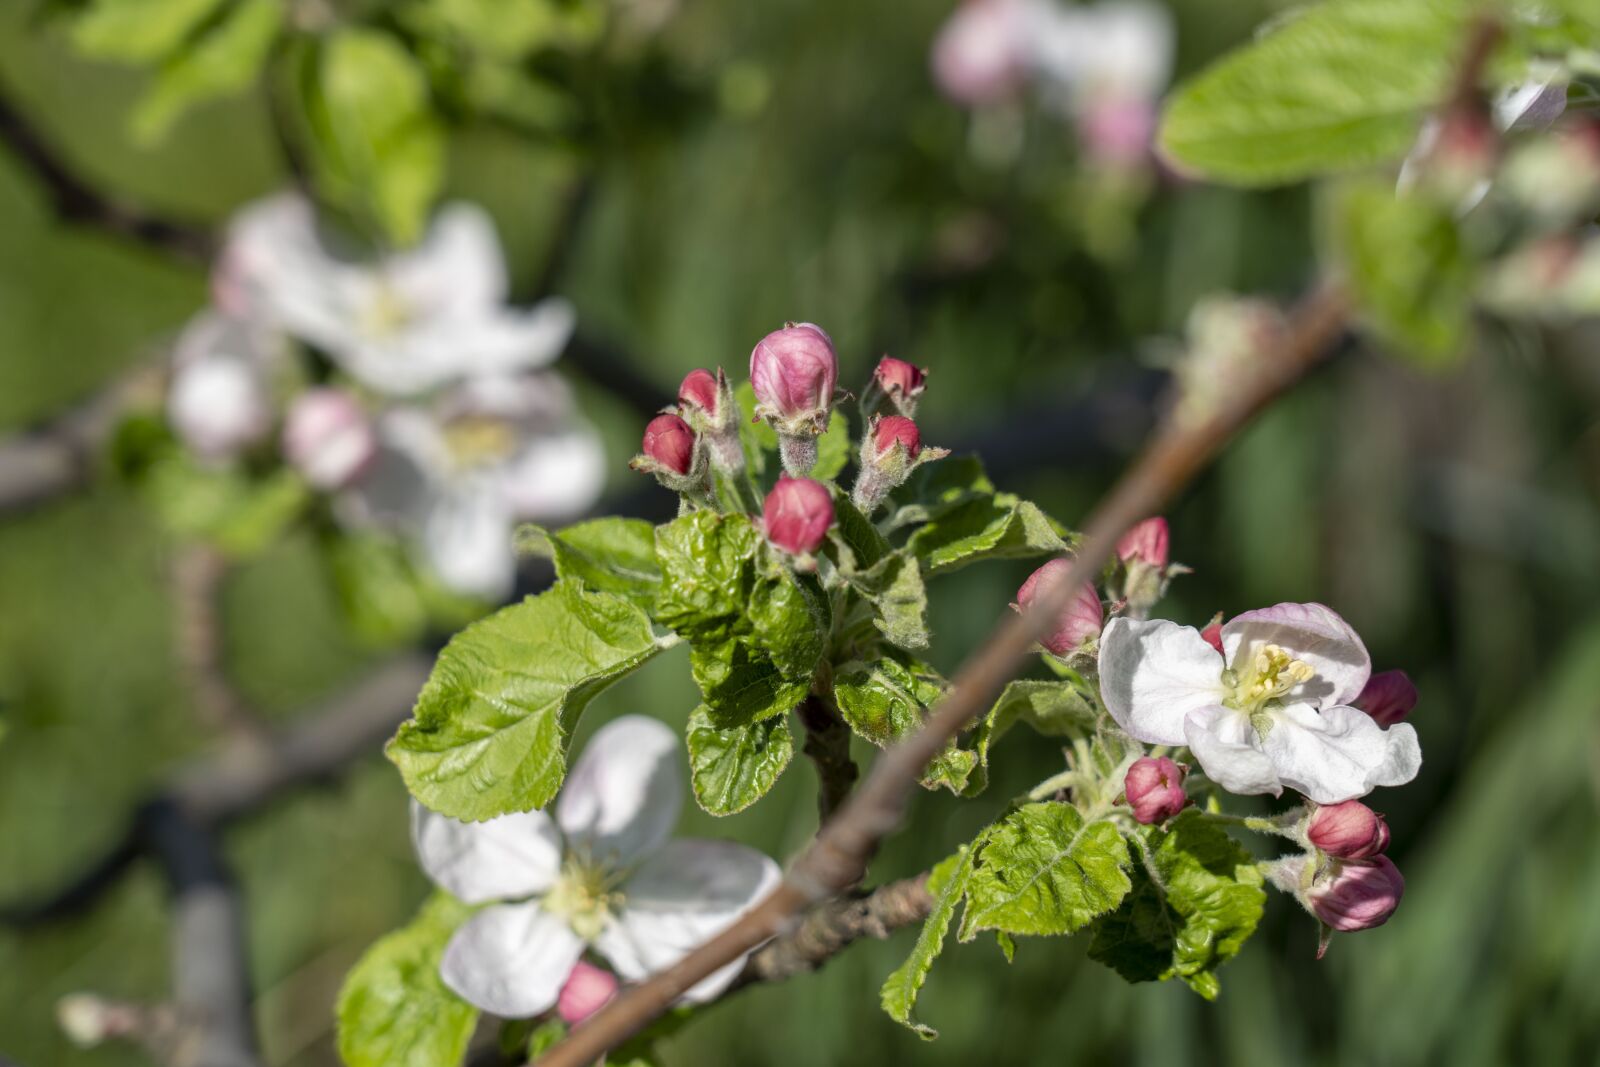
{"x": 1196, "y": 898}
{"x": 895, "y": 588}
{"x": 734, "y": 767}
{"x": 856, "y": 542}
{"x": 226, "y": 60}
{"x": 394, "y": 1011}
{"x": 946, "y": 884}
{"x": 884, "y": 701}
{"x": 833, "y": 449}
{"x": 1338, "y": 85}
{"x": 1053, "y": 709}
{"x": 489, "y": 732}
{"x": 612, "y": 555}
{"x": 1043, "y": 870}
{"x": 934, "y": 489}
{"x": 1001, "y": 526}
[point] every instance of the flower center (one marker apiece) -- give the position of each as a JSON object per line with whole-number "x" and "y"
{"x": 478, "y": 440}
{"x": 585, "y": 895}
{"x": 1267, "y": 678}
{"x": 386, "y": 313}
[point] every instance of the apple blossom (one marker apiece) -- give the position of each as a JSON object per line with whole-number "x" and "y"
{"x": 588, "y": 989}
{"x": 1349, "y": 830}
{"x": 1388, "y": 697}
{"x": 793, "y": 372}
{"x": 890, "y": 450}
{"x": 405, "y": 324}
{"x": 600, "y": 874}
{"x": 981, "y": 53}
{"x": 1154, "y": 788}
{"x": 328, "y": 438}
{"x": 218, "y": 402}
{"x": 1079, "y": 622}
{"x": 797, "y": 514}
{"x": 1272, "y": 710}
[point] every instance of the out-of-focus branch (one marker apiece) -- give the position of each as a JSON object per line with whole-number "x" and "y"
{"x": 198, "y": 571}
{"x": 1192, "y": 435}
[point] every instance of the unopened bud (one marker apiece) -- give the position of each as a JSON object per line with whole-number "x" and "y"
{"x": 891, "y": 450}
{"x": 1357, "y": 894}
{"x": 699, "y": 391}
{"x": 328, "y": 438}
{"x": 896, "y": 430}
{"x": 1555, "y": 177}
{"x": 896, "y": 387}
{"x": 1350, "y": 830}
{"x": 1154, "y": 788}
{"x": 705, "y": 402}
{"x": 793, "y": 372}
{"x": 797, "y": 514}
{"x": 1213, "y": 633}
{"x": 588, "y": 989}
{"x": 1388, "y": 697}
{"x": 218, "y": 402}
{"x": 1146, "y": 542}
{"x": 1078, "y": 623}
{"x": 670, "y": 442}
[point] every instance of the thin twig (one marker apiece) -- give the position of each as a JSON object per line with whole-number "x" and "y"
{"x": 838, "y": 856}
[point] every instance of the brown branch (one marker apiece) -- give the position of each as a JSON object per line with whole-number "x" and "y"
{"x": 832, "y": 926}
{"x": 828, "y": 745}
{"x": 838, "y": 856}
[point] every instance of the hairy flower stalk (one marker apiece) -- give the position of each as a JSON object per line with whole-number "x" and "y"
{"x": 890, "y": 451}
{"x": 793, "y": 372}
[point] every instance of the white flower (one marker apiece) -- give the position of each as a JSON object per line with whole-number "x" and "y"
{"x": 1271, "y": 710}
{"x": 218, "y": 401}
{"x": 461, "y": 473}
{"x": 1116, "y": 49}
{"x": 328, "y": 438}
{"x": 406, "y": 324}
{"x": 601, "y": 875}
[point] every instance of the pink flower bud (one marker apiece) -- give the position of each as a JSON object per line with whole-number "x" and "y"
{"x": 896, "y": 428}
{"x": 1388, "y": 697}
{"x": 897, "y": 375}
{"x": 588, "y": 989}
{"x": 699, "y": 390}
{"x": 1082, "y": 618}
{"x": 980, "y": 55}
{"x": 1154, "y": 788}
{"x": 327, "y": 438}
{"x": 1213, "y": 634}
{"x": 793, "y": 371}
{"x": 1350, "y": 830}
{"x": 1357, "y": 894}
{"x": 1117, "y": 130}
{"x": 797, "y": 514}
{"x": 1145, "y": 542}
{"x": 670, "y": 442}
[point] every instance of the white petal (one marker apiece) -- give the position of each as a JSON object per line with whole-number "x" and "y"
{"x": 1225, "y": 745}
{"x": 510, "y": 856}
{"x": 1340, "y": 753}
{"x": 1309, "y": 632}
{"x": 1154, "y": 673}
{"x": 623, "y": 795}
{"x": 511, "y": 959}
{"x": 556, "y": 476}
{"x": 276, "y": 270}
{"x": 467, "y": 537}
{"x": 458, "y": 266}
{"x": 681, "y": 897}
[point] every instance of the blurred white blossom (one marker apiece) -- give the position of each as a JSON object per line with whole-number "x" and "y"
{"x": 219, "y": 401}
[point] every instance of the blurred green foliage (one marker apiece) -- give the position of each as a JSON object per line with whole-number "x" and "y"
{"x": 800, "y": 166}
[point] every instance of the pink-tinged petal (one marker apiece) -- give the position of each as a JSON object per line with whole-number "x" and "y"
{"x": 1388, "y": 697}
{"x": 1154, "y": 789}
{"x": 623, "y": 796}
{"x": 511, "y": 960}
{"x": 1153, "y": 673}
{"x": 511, "y": 856}
{"x": 1357, "y": 894}
{"x": 328, "y": 438}
{"x": 1146, "y": 542}
{"x": 588, "y": 989}
{"x": 1225, "y": 745}
{"x": 458, "y": 267}
{"x": 1312, "y": 633}
{"x": 1213, "y": 634}
{"x": 1339, "y": 753}
{"x": 1349, "y": 830}
{"x": 678, "y": 899}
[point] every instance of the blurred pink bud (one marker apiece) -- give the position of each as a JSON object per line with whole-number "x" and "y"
{"x": 1118, "y": 130}
{"x": 1145, "y": 542}
{"x": 896, "y": 428}
{"x": 670, "y": 442}
{"x": 797, "y": 514}
{"x": 980, "y": 55}
{"x": 1213, "y": 634}
{"x": 327, "y": 438}
{"x": 897, "y": 375}
{"x": 793, "y": 371}
{"x": 1350, "y": 830}
{"x": 588, "y": 989}
{"x": 1357, "y": 894}
{"x": 1154, "y": 788}
{"x": 1388, "y": 697}
{"x": 699, "y": 390}
{"x": 1082, "y": 618}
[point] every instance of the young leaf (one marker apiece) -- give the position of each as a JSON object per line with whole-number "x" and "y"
{"x": 489, "y": 732}
{"x": 612, "y": 555}
{"x": 1338, "y": 85}
{"x": 1001, "y": 526}
{"x": 226, "y": 60}
{"x": 946, "y": 884}
{"x": 1043, "y": 870}
{"x": 884, "y": 701}
{"x": 394, "y": 1011}
{"x": 734, "y": 767}
{"x": 894, "y": 586}
{"x": 854, "y": 533}
{"x": 1196, "y": 898}
{"x": 934, "y": 489}
{"x": 1054, "y": 709}
{"x": 138, "y": 31}
{"x": 833, "y": 448}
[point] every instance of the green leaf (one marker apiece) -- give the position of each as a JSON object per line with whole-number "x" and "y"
{"x": 833, "y": 448}
{"x": 612, "y": 555}
{"x": 1002, "y": 526}
{"x": 853, "y": 533}
{"x": 734, "y": 767}
{"x": 1054, "y": 709}
{"x": 1338, "y": 85}
{"x": 138, "y": 31}
{"x": 946, "y": 884}
{"x": 377, "y": 588}
{"x": 935, "y": 489}
{"x": 490, "y": 729}
{"x": 394, "y": 1010}
{"x": 894, "y": 586}
{"x": 1043, "y": 870}
{"x": 884, "y": 701}
{"x": 226, "y": 507}
{"x": 1196, "y": 898}
{"x": 507, "y": 29}
{"x": 226, "y": 60}
{"x": 545, "y": 1037}
{"x": 379, "y": 147}
{"x": 1408, "y": 268}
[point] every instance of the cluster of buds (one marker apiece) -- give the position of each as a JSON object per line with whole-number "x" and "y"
{"x": 1154, "y": 789}
{"x": 1075, "y": 629}
{"x": 1144, "y": 568}
{"x": 690, "y": 438}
